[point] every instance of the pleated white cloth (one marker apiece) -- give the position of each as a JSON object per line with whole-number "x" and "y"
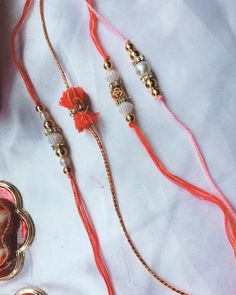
{"x": 192, "y": 47}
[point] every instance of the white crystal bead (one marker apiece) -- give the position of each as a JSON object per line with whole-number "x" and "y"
{"x": 112, "y": 76}
{"x": 125, "y": 108}
{"x": 142, "y": 68}
{"x": 65, "y": 162}
{"x": 44, "y": 116}
{"x": 55, "y": 138}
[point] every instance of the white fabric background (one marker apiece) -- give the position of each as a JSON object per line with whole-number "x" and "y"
{"x": 192, "y": 47}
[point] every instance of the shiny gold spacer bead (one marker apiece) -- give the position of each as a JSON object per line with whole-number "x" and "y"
{"x": 61, "y": 152}
{"x": 150, "y": 83}
{"x": 48, "y": 124}
{"x": 129, "y": 46}
{"x": 134, "y": 53}
{"x": 67, "y": 170}
{"x": 155, "y": 91}
{"x": 130, "y": 118}
{"x": 39, "y": 108}
{"x": 107, "y": 65}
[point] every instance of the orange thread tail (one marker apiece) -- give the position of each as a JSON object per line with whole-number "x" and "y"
{"x": 92, "y": 235}
{"x": 93, "y": 32}
{"x": 230, "y": 224}
{"x": 25, "y": 76}
{"x": 104, "y": 21}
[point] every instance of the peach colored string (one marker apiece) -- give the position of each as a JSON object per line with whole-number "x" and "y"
{"x": 93, "y": 30}
{"x": 106, "y": 23}
{"x": 197, "y": 150}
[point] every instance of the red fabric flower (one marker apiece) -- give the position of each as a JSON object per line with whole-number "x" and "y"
{"x": 72, "y": 99}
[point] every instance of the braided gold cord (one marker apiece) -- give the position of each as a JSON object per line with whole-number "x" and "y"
{"x": 45, "y": 32}
{"x": 121, "y": 220}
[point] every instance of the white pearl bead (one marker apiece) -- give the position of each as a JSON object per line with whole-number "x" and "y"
{"x": 65, "y": 162}
{"x": 125, "y": 108}
{"x": 44, "y": 116}
{"x": 112, "y": 76}
{"x": 142, "y": 68}
{"x": 55, "y": 138}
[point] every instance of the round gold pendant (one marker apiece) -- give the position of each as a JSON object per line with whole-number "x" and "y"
{"x": 30, "y": 291}
{"x": 16, "y": 231}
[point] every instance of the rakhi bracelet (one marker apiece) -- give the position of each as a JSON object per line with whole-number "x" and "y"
{"x": 149, "y": 78}
{"x": 57, "y": 141}
{"x": 194, "y": 190}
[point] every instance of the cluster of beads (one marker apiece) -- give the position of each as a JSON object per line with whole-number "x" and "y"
{"x": 143, "y": 69}
{"x": 55, "y": 138}
{"x": 119, "y": 94}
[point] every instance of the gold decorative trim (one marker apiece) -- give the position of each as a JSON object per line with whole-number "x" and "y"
{"x": 30, "y": 290}
{"x": 25, "y": 217}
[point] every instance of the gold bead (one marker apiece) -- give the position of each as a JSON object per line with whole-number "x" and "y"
{"x": 39, "y": 108}
{"x": 67, "y": 170}
{"x": 130, "y": 118}
{"x": 134, "y": 53}
{"x": 150, "y": 83}
{"x": 48, "y": 124}
{"x": 107, "y": 65}
{"x": 155, "y": 91}
{"x": 61, "y": 152}
{"x": 129, "y": 46}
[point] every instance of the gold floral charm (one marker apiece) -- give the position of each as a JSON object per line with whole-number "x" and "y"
{"x": 30, "y": 291}
{"x": 16, "y": 231}
{"x": 117, "y": 92}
